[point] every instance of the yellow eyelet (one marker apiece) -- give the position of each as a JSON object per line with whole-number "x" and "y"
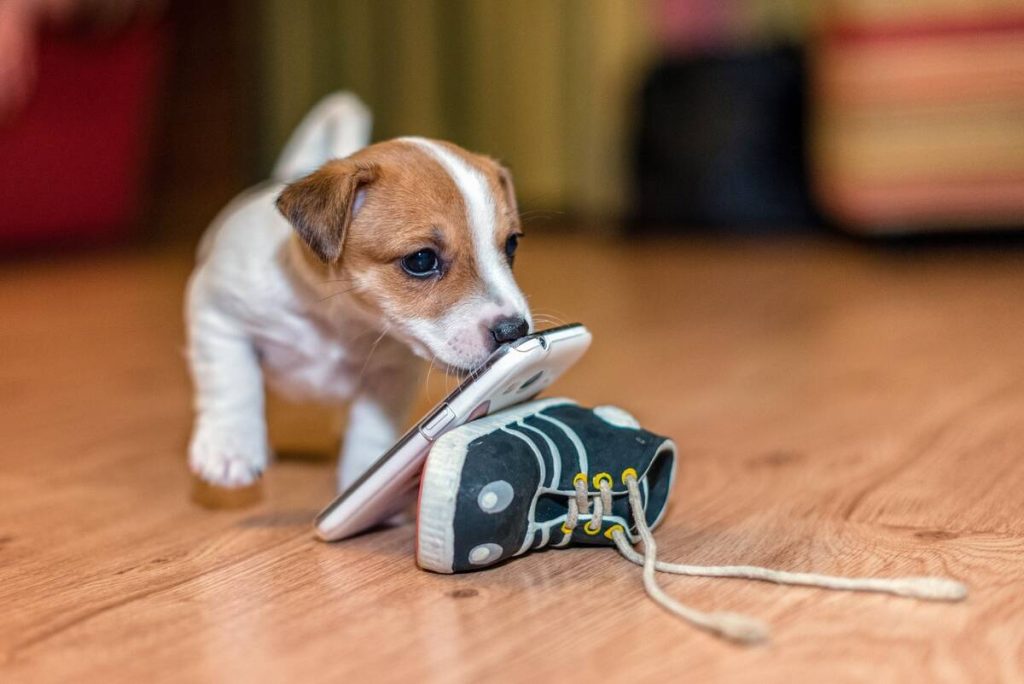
{"x": 586, "y": 528}
{"x": 610, "y": 532}
{"x": 566, "y": 529}
{"x": 626, "y": 473}
{"x": 579, "y": 476}
{"x": 602, "y": 476}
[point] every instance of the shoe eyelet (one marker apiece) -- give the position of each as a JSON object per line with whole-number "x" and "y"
{"x": 578, "y": 478}
{"x": 626, "y": 473}
{"x": 610, "y": 532}
{"x": 566, "y": 529}
{"x": 602, "y": 477}
{"x": 586, "y": 528}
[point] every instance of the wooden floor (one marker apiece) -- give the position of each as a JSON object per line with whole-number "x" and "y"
{"x": 838, "y": 409}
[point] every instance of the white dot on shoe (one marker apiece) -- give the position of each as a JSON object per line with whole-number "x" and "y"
{"x": 484, "y": 553}
{"x": 495, "y": 496}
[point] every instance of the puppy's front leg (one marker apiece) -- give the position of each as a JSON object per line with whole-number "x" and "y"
{"x": 229, "y": 438}
{"x": 376, "y": 417}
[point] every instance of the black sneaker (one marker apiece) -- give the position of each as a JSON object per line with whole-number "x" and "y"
{"x": 544, "y": 473}
{"x": 551, "y": 473}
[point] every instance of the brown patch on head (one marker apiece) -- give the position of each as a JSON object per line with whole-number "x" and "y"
{"x": 414, "y": 205}
{"x": 411, "y": 203}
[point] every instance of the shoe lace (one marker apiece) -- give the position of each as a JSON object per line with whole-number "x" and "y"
{"x": 733, "y": 626}
{"x": 579, "y": 504}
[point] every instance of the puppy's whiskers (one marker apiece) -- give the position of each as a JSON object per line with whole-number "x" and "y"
{"x": 544, "y": 320}
{"x": 430, "y": 369}
{"x": 546, "y": 311}
{"x": 448, "y": 378}
{"x": 477, "y": 368}
{"x": 369, "y": 356}
{"x": 338, "y": 294}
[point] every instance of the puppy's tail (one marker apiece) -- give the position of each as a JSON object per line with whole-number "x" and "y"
{"x": 336, "y": 127}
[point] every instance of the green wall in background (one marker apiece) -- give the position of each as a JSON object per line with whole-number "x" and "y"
{"x": 547, "y": 86}
{"x": 544, "y": 85}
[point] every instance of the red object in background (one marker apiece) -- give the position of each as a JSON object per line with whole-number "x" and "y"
{"x": 685, "y": 26}
{"x": 72, "y": 163}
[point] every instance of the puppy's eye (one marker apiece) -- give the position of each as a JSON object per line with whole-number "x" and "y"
{"x": 510, "y": 247}
{"x": 422, "y": 263}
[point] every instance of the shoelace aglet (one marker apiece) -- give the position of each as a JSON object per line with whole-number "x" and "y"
{"x": 739, "y": 628}
{"x": 929, "y": 588}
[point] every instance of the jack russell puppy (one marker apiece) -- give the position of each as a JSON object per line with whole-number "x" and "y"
{"x": 336, "y": 280}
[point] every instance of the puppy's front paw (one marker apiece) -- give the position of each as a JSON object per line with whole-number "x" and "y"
{"x": 224, "y": 460}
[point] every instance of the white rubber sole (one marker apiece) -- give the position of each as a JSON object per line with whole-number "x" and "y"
{"x": 439, "y": 487}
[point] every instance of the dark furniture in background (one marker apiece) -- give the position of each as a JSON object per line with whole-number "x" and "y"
{"x": 720, "y": 144}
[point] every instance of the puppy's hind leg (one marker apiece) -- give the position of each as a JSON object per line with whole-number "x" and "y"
{"x": 229, "y": 438}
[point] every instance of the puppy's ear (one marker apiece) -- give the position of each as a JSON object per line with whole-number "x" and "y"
{"x": 509, "y": 190}
{"x": 322, "y": 205}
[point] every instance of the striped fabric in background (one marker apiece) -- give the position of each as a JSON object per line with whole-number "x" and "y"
{"x": 919, "y": 115}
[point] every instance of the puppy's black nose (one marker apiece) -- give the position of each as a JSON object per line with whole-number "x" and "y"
{"x": 509, "y": 329}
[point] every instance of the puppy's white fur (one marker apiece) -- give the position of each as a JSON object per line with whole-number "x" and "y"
{"x": 253, "y": 316}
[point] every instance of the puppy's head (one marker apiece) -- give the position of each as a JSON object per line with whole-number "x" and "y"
{"x": 422, "y": 234}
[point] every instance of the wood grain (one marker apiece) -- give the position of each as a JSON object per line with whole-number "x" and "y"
{"x": 838, "y": 410}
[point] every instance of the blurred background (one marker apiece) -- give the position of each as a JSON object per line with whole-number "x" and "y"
{"x": 127, "y": 120}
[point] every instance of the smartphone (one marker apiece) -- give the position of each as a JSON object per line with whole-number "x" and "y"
{"x": 514, "y": 373}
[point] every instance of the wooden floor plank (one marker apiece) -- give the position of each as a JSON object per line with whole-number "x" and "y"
{"x": 838, "y": 409}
